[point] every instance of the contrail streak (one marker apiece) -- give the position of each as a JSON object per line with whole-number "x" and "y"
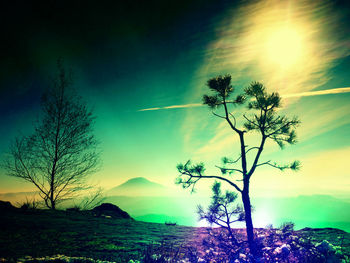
{"x": 318, "y": 92}
{"x": 293, "y": 95}
{"x": 191, "y": 105}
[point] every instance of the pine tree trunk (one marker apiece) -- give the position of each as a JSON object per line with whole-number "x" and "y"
{"x": 248, "y": 221}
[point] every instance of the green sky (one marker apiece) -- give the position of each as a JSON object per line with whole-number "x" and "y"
{"x": 124, "y": 66}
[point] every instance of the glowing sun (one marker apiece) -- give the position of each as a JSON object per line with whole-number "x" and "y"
{"x": 284, "y": 47}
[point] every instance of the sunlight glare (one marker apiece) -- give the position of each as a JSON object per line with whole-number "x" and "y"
{"x": 284, "y": 47}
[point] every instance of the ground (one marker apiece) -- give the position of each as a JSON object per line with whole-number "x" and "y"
{"x": 38, "y": 233}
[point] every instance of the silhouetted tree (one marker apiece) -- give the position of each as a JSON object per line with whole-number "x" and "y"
{"x": 266, "y": 121}
{"x": 222, "y": 211}
{"x": 61, "y": 153}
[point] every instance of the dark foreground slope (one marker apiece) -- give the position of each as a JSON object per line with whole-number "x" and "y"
{"x": 80, "y": 233}
{"x": 39, "y": 233}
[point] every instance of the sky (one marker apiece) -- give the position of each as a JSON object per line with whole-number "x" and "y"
{"x": 142, "y": 67}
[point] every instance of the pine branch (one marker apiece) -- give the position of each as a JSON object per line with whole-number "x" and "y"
{"x": 229, "y": 169}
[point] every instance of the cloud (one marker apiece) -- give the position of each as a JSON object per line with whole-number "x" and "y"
{"x": 239, "y": 48}
{"x": 151, "y": 109}
{"x": 222, "y": 139}
{"x": 190, "y": 105}
{"x": 318, "y": 92}
{"x": 331, "y": 113}
{"x": 321, "y": 173}
{"x": 242, "y": 35}
{"x": 292, "y": 95}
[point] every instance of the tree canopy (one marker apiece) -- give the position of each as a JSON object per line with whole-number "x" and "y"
{"x": 62, "y": 151}
{"x": 261, "y": 116}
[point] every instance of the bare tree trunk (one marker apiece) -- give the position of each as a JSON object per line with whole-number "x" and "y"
{"x": 248, "y": 221}
{"x": 53, "y": 204}
{"x": 52, "y": 200}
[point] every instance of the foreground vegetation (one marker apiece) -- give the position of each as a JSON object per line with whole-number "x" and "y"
{"x": 33, "y": 235}
{"x": 38, "y": 233}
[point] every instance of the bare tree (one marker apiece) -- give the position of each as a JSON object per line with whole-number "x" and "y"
{"x": 61, "y": 152}
{"x": 266, "y": 121}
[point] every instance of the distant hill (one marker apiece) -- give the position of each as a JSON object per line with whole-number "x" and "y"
{"x": 304, "y": 211}
{"x": 170, "y": 206}
{"x": 153, "y": 202}
{"x": 113, "y": 211}
{"x": 138, "y": 186}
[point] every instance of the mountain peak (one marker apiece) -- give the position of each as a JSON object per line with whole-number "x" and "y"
{"x": 138, "y": 186}
{"x": 138, "y": 181}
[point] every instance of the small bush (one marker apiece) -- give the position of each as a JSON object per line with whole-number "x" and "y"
{"x": 74, "y": 208}
{"x": 287, "y": 229}
{"x": 29, "y": 204}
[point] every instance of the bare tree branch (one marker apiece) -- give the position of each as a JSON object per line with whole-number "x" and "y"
{"x": 61, "y": 152}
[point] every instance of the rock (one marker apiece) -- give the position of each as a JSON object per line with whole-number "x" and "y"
{"x": 294, "y": 245}
{"x": 110, "y": 210}
{"x": 325, "y": 247}
{"x": 242, "y": 256}
{"x": 277, "y": 251}
{"x": 278, "y": 243}
{"x": 294, "y": 238}
{"x": 333, "y": 254}
{"x": 285, "y": 249}
{"x": 266, "y": 248}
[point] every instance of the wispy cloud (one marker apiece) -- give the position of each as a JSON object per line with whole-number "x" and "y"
{"x": 292, "y": 95}
{"x": 151, "y": 109}
{"x": 318, "y": 92}
{"x": 243, "y": 34}
{"x": 316, "y": 167}
{"x": 190, "y": 105}
{"x": 312, "y": 125}
{"x": 239, "y": 48}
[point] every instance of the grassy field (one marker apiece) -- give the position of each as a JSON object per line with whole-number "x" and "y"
{"x": 44, "y": 233}
{"x": 40, "y": 233}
